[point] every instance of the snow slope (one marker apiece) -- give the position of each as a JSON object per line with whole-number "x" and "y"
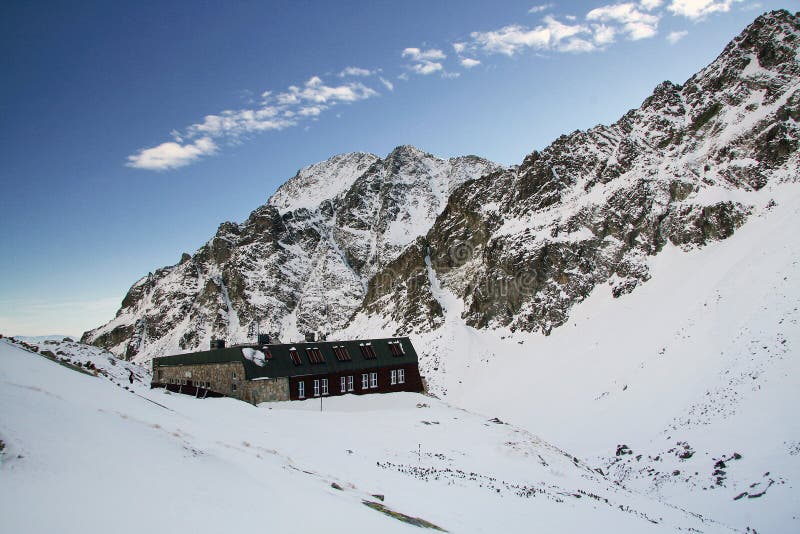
{"x": 701, "y": 361}
{"x": 81, "y": 455}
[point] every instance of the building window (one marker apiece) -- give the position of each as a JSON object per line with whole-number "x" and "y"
{"x": 324, "y": 386}
{"x": 394, "y": 377}
{"x": 342, "y": 353}
{"x": 367, "y": 351}
{"x": 233, "y": 375}
{"x": 233, "y": 387}
{"x": 187, "y": 374}
{"x": 401, "y": 376}
{"x": 295, "y": 356}
{"x": 316, "y": 388}
{"x": 315, "y": 355}
{"x": 350, "y": 383}
{"x": 365, "y": 381}
{"x": 396, "y": 348}
{"x": 301, "y": 390}
{"x": 373, "y": 377}
{"x": 343, "y": 383}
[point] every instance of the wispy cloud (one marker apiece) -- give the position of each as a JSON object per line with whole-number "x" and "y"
{"x": 356, "y": 71}
{"x": 424, "y": 61}
{"x": 634, "y": 23}
{"x": 171, "y": 155}
{"x": 386, "y": 83}
{"x": 595, "y": 31}
{"x": 275, "y": 112}
{"x": 540, "y": 8}
{"x": 316, "y": 91}
{"x": 700, "y": 9}
{"x": 674, "y": 37}
{"x": 552, "y": 35}
{"x": 650, "y": 5}
{"x": 603, "y": 35}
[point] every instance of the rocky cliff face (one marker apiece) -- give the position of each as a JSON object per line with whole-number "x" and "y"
{"x": 521, "y": 246}
{"x": 364, "y": 239}
{"x": 299, "y": 263}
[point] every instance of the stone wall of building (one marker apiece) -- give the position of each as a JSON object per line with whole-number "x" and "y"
{"x": 225, "y": 378}
{"x": 265, "y": 390}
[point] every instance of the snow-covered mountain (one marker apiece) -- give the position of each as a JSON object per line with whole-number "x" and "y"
{"x": 353, "y": 240}
{"x": 301, "y": 262}
{"x": 521, "y": 247}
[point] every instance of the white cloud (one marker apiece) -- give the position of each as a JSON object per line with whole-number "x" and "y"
{"x": 316, "y": 91}
{"x": 171, "y": 155}
{"x": 552, "y": 35}
{"x": 416, "y": 54}
{"x": 468, "y": 62}
{"x": 424, "y": 61}
{"x": 276, "y": 112}
{"x": 540, "y": 8}
{"x": 459, "y": 47}
{"x": 235, "y": 123}
{"x": 674, "y": 37}
{"x": 451, "y": 75}
{"x": 386, "y": 83}
{"x": 636, "y": 24}
{"x": 603, "y": 34}
{"x": 577, "y": 45}
{"x": 650, "y": 5}
{"x": 356, "y": 71}
{"x": 426, "y": 67}
{"x": 311, "y": 111}
{"x": 698, "y": 9}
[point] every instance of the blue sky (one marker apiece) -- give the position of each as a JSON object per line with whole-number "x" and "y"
{"x": 131, "y": 130}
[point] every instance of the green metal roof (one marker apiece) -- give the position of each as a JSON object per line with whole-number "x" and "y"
{"x": 281, "y": 364}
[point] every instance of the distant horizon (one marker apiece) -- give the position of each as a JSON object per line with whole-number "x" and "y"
{"x": 130, "y": 135}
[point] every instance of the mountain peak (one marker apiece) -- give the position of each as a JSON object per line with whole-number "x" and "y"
{"x": 407, "y": 151}
{"x": 321, "y": 181}
{"x": 773, "y": 38}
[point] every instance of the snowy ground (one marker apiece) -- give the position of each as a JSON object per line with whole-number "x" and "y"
{"x": 81, "y": 454}
{"x": 698, "y": 365}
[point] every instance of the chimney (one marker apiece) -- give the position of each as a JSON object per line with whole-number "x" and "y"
{"x": 311, "y": 337}
{"x": 263, "y": 339}
{"x": 217, "y": 344}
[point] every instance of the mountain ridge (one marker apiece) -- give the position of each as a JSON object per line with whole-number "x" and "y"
{"x": 519, "y": 246}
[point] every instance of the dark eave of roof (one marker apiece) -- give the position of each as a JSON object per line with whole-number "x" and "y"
{"x": 281, "y": 364}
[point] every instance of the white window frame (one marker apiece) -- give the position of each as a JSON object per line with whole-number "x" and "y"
{"x": 301, "y": 390}
{"x": 373, "y": 379}
{"x": 343, "y": 383}
{"x": 364, "y": 381}
{"x": 350, "y": 383}
{"x": 316, "y": 387}
{"x": 401, "y": 376}
{"x": 325, "y": 390}
{"x": 394, "y": 377}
